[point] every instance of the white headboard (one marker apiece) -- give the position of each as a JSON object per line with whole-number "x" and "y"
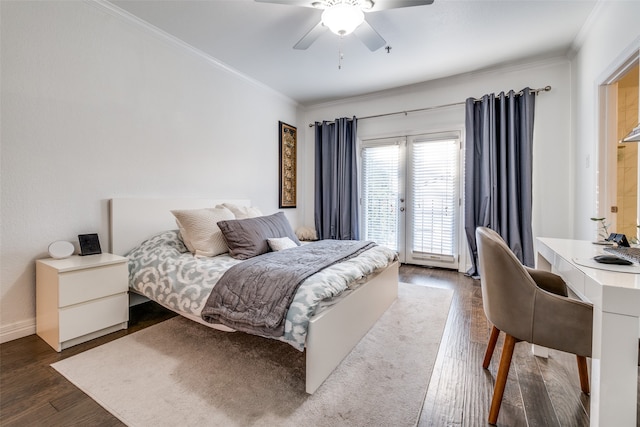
{"x": 134, "y": 220}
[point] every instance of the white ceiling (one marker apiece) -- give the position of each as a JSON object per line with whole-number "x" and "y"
{"x": 445, "y": 38}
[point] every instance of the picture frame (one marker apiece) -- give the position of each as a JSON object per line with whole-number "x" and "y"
{"x": 89, "y": 244}
{"x": 288, "y": 142}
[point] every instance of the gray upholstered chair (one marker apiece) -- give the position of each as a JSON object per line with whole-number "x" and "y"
{"x": 528, "y": 305}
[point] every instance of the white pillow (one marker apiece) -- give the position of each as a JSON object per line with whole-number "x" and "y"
{"x": 306, "y": 233}
{"x": 242, "y": 212}
{"x": 280, "y": 243}
{"x": 200, "y": 231}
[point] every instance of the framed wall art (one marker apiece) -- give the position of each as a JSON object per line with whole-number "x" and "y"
{"x": 288, "y": 160}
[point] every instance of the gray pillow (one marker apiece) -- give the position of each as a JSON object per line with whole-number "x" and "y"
{"x": 247, "y": 238}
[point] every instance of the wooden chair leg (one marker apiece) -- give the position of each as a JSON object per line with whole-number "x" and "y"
{"x": 584, "y": 374}
{"x": 493, "y": 339}
{"x": 501, "y": 378}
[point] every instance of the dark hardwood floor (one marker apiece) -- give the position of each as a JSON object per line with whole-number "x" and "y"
{"x": 539, "y": 392}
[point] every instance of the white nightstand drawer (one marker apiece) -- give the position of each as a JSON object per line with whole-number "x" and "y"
{"x": 85, "y": 285}
{"x": 92, "y": 316}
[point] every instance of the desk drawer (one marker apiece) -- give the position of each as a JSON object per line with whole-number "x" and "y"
{"x": 92, "y": 316}
{"x": 85, "y": 285}
{"x": 571, "y": 274}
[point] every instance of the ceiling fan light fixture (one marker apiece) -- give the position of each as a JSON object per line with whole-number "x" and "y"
{"x": 342, "y": 18}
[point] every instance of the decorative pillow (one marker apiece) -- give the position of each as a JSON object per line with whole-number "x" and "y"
{"x": 181, "y": 234}
{"x": 200, "y": 231}
{"x": 242, "y": 212}
{"x": 280, "y": 243}
{"x": 247, "y": 238}
{"x": 306, "y": 233}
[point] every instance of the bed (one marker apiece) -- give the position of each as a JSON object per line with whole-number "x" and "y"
{"x": 331, "y": 333}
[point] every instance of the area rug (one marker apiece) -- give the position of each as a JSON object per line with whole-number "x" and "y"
{"x": 179, "y": 372}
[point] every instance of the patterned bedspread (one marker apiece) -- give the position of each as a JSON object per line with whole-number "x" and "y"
{"x": 163, "y": 270}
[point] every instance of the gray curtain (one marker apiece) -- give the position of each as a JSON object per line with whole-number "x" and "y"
{"x": 498, "y": 167}
{"x": 336, "y": 184}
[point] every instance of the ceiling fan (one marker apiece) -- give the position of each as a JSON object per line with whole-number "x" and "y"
{"x": 347, "y": 16}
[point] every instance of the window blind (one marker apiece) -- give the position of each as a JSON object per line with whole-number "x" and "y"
{"x": 434, "y": 196}
{"x": 380, "y": 186}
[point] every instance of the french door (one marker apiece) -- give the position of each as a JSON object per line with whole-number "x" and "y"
{"x": 410, "y": 196}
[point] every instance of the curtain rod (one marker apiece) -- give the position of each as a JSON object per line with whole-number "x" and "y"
{"x": 535, "y": 91}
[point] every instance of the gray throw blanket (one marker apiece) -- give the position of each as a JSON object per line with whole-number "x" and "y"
{"x": 254, "y": 296}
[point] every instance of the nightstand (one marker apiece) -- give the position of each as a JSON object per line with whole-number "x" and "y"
{"x": 80, "y": 298}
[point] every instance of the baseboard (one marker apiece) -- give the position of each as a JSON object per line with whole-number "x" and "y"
{"x": 17, "y": 330}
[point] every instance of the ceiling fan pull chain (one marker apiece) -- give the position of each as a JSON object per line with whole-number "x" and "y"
{"x": 340, "y": 54}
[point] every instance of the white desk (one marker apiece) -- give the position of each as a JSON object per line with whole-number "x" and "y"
{"x": 616, "y": 318}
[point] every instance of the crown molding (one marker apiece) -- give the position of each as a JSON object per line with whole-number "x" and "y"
{"x": 162, "y": 35}
{"x": 581, "y": 37}
{"x": 463, "y": 77}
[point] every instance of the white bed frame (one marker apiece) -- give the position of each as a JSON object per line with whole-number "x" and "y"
{"x": 332, "y": 334}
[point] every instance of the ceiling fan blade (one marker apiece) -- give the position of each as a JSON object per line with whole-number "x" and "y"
{"x": 395, "y": 4}
{"x": 310, "y": 37}
{"x": 369, "y": 36}
{"x": 303, "y": 3}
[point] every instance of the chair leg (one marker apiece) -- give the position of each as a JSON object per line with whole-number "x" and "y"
{"x": 493, "y": 339}
{"x": 584, "y": 374}
{"x": 501, "y": 378}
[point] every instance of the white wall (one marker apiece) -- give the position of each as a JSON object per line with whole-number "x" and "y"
{"x": 613, "y": 34}
{"x": 552, "y": 186}
{"x": 96, "y": 106}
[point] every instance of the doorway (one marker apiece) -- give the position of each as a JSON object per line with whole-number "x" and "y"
{"x": 627, "y": 158}
{"x": 410, "y": 188}
{"x": 618, "y": 179}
